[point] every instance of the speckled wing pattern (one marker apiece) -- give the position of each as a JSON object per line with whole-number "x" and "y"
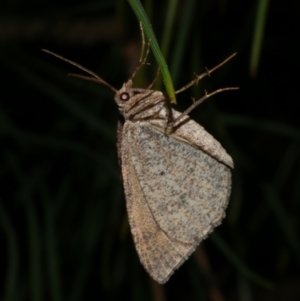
{"x": 176, "y": 195}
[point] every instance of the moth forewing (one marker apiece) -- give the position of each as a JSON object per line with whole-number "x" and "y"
{"x": 180, "y": 192}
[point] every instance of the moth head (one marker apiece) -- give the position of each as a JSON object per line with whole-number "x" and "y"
{"x": 124, "y": 96}
{"x": 135, "y": 101}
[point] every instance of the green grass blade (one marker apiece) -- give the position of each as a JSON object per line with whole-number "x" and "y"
{"x": 141, "y": 15}
{"x": 261, "y": 16}
{"x": 181, "y": 40}
{"x": 166, "y": 37}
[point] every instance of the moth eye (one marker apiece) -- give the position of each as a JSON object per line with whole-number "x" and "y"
{"x": 124, "y": 96}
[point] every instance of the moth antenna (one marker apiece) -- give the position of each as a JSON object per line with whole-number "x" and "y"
{"x": 197, "y": 103}
{"x": 94, "y": 80}
{"x": 207, "y": 73}
{"x": 95, "y": 77}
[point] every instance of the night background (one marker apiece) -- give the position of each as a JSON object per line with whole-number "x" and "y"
{"x": 63, "y": 221}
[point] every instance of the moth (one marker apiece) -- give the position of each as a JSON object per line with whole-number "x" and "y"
{"x": 176, "y": 176}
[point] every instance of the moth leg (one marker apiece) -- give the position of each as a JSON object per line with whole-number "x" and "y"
{"x": 140, "y": 90}
{"x": 208, "y": 72}
{"x": 137, "y": 99}
{"x": 148, "y": 89}
{"x": 153, "y": 82}
{"x": 169, "y": 121}
{"x": 143, "y": 41}
{"x": 154, "y": 101}
{"x": 142, "y": 60}
{"x": 197, "y": 103}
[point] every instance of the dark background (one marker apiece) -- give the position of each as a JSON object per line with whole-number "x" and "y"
{"x": 63, "y": 222}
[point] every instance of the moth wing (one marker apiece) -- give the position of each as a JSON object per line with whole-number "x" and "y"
{"x": 186, "y": 190}
{"x": 175, "y": 193}
{"x": 189, "y": 130}
{"x": 159, "y": 254}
